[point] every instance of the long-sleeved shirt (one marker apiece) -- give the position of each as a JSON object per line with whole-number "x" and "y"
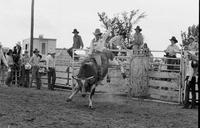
{"x": 2, "y": 57}
{"x": 77, "y": 42}
{"x": 99, "y": 45}
{"x": 172, "y": 49}
{"x": 25, "y": 59}
{"x": 9, "y": 60}
{"x": 50, "y": 62}
{"x": 34, "y": 60}
{"x": 137, "y": 39}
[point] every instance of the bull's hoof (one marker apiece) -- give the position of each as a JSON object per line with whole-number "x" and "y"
{"x": 83, "y": 95}
{"x": 69, "y": 100}
{"x": 91, "y": 108}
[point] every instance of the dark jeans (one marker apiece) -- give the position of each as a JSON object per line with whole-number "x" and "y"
{"x": 24, "y": 77}
{"x": 51, "y": 78}
{"x": 36, "y": 76}
{"x": 191, "y": 85}
{"x": 9, "y": 78}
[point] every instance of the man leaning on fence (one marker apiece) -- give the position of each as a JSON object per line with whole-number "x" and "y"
{"x": 50, "y": 66}
{"x": 25, "y": 67}
{"x": 191, "y": 74}
{"x": 34, "y": 61}
{"x": 10, "y": 62}
{"x": 192, "y": 62}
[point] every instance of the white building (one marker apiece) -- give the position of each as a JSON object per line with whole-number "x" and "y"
{"x": 40, "y": 43}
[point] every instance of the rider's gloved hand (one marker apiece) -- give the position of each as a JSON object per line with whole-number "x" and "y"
{"x": 187, "y": 77}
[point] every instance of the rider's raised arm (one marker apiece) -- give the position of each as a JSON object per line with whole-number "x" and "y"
{"x": 106, "y": 35}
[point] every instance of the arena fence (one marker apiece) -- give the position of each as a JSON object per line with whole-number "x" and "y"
{"x": 157, "y": 82}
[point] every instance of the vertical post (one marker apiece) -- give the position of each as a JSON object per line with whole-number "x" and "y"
{"x": 73, "y": 50}
{"x": 68, "y": 71}
{"x": 32, "y": 28}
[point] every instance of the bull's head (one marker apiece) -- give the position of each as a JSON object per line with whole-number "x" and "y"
{"x": 87, "y": 75}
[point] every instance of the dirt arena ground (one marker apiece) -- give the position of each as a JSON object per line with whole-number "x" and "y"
{"x": 31, "y": 108}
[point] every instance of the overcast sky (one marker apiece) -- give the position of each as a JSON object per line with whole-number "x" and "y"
{"x": 58, "y": 18}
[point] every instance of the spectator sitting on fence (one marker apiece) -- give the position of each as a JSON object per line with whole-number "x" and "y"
{"x": 10, "y": 62}
{"x": 193, "y": 45}
{"x": 192, "y": 72}
{"x": 25, "y": 67}
{"x": 137, "y": 40}
{"x": 171, "y": 52}
{"x": 34, "y": 61}
{"x": 77, "y": 43}
{"x": 50, "y": 66}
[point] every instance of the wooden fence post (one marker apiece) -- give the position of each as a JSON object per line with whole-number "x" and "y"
{"x": 139, "y": 66}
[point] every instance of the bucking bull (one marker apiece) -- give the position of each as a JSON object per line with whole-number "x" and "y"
{"x": 88, "y": 76}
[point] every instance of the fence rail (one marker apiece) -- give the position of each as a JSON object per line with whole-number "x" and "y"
{"x": 164, "y": 83}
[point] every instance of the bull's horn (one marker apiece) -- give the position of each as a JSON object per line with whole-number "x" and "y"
{"x": 91, "y": 77}
{"x": 76, "y": 78}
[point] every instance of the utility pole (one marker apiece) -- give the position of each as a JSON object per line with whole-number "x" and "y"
{"x": 32, "y": 28}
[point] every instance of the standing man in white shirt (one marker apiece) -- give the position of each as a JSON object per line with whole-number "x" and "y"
{"x": 51, "y": 65}
{"x": 34, "y": 62}
{"x": 24, "y": 70}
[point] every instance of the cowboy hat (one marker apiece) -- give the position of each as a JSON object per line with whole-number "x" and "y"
{"x": 97, "y": 32}
{"x": 36, "y": 51}
{"x": 75, "y": 31}
{"x": 173, "y": 39}
{"x": 18, "y": 43}
{"x": 138, "y": 28}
